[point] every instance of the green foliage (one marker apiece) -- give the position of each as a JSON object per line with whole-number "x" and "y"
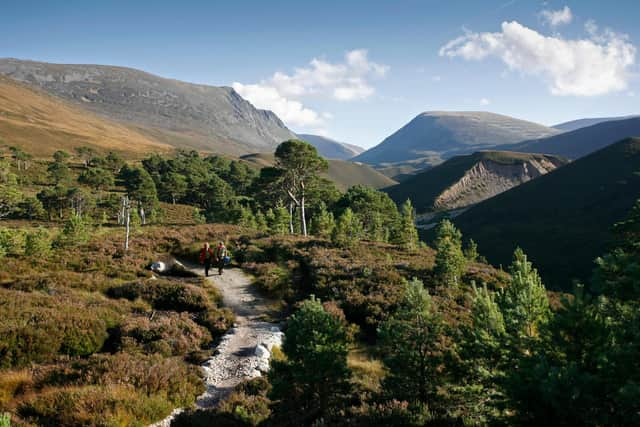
{"x": 97, "y": 178}
{"x": 10, "y": 197}
{"x": 310, "y": 382}
{"x": 348, "y": 229}
{"x": 59, "y": 173}
{"x": 37, "y": 243}
{"x": 407, "y": 234}
{"x": 413, "y": 349}
{"x": 278, "y": 220}
{"x": 323, "y": 223}
{"x": 375, "y": 210}
{"x": 76, "y": 230}
{"x": 471, "y": 251}
{"x": 524, "y": 302}
{"x": 5, "y": 420}
{"x": 61, "y": 156}
{"x": 140, "y": 187}
{"x": 31, "y": 208}
{"x": 10, "y": 242}
{"x": 450, "y": 260}
{"x": 54, "y": 200}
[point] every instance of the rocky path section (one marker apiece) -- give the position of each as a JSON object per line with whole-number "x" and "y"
{"x": 244, "y": 351}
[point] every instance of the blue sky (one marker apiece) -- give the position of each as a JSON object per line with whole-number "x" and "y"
{"x": 377, "y": 63}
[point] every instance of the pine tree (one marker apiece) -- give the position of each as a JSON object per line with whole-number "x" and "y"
{"x": 524, "y": 303}
{"x": 278, "y": 220}
{"x": 450, "y": 260}
{"x": 413, "y": 349}
{"x": 407, "y": 234}
{"x": 322, "y": 223}
{"x": 314, "y": 377}
{"x": 261, "y": 222}
{"x": 471, "y": 251}
{"x": 348, "y": 229}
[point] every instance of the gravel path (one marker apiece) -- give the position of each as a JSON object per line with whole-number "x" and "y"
{"x": 244, "y": 350}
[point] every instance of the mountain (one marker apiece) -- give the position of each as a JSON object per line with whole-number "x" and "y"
{"x": 466, "y": 180}
{"x": 331, "y": 149}
{"x": 343, "y": 173}
{"x": 582, "y": 123}
{"x": 580, "y": 142}
{"x": 184, "y": 115}
{"x": 41, "y": 124}
{"x": 436, "y": 136}
{"x": 563, "y": 219}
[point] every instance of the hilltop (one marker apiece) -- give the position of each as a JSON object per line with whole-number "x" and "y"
{"x": 331, "y": 149}
{"x": 563, "y": 219}
{"x": 41, "y": 124}
{"x": 583, "y": 123}
{"x": 436, "y": 136}
{"x": 583, "y": 141}
{"x": 465, "y": 180}
{"x": 343, "y": 173}
{"x": 184, "y": 115}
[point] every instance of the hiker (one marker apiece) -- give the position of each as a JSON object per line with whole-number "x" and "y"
{"x": 221, "y": 256}
{"x": 206, "y": 258}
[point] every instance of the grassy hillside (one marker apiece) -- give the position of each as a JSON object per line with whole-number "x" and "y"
{"x": 41, "y": 124}
{"x": 583, "y": 141}
{"x": 184, "y": 115}
{"x": 563, "y": 219}
{"x": 343, "y": 173}
{"x": 426, "y": 187}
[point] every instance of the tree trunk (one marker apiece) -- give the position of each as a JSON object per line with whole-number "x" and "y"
{"x": 302, "y": 216}
{"x": 143, "y": 217}
{"x": 290, "y": 217}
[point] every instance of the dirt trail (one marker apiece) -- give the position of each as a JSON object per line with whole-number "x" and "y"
{"x": 244, "y": 351}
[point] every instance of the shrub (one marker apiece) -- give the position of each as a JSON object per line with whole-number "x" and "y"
{"x": 164, "y": 295}
{"x": 168, "y": 333}
{"x": 12, "y": 384}
{"x": 35, "y": 327}
{"x": 37, "y": 243}
{"x": 250, "y": 410}
{"x": 11, "y": 241}
{"x": 75, "y": 231}
{"x": 112, "y": 405}
{"x": 5, "y": 420}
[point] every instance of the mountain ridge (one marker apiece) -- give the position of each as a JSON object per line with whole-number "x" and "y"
{"x": 330, "y": 148}
{"x": 434, "y": 136}
{"x": 465, "y": 180}
{"x": 563, "y": 219}
{"x": 182, "y": 114}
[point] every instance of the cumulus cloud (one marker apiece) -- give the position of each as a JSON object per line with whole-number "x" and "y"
{"x": 348, "y": 80}
{"x": 484, "y": 101}
{"x": 557, "y": 17}
{"x": 598, "y": 64}
{"x": 269, "y": 98}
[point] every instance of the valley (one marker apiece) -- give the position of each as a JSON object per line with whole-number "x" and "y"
{"x": 471, "y": 269}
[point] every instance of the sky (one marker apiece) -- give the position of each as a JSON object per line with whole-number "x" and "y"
{"x": 357, "y": 70}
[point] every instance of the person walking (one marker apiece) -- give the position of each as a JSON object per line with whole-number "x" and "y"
{"x": 206, "y": 258}
{"x": 221, "y": 257}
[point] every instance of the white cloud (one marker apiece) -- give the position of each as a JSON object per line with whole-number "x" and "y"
{"x": 484, "y": 101}
{"x": 596, "y": 65}
{"x": 266, "y": 97}
{"x": 345, "y": 81}
{"x": 436, "y": 79}
{"x": 557, "y": 17}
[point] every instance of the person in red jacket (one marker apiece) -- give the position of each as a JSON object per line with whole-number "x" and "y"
{"x": 206, "y": 258}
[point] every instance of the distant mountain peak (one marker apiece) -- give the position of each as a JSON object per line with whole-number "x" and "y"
{"x": 434, "y": 136}
{"x": 330, "y": 148}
